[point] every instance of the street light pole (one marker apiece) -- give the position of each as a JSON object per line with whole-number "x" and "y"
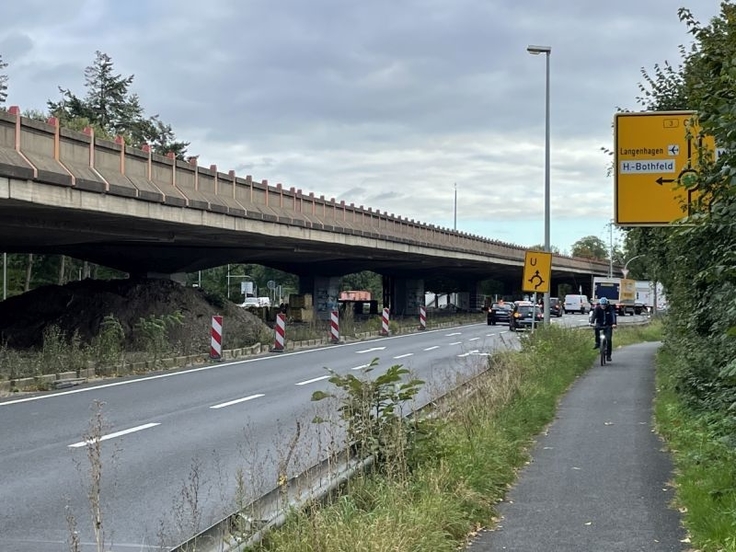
{"x": 625, "y": 269}
{"x": 455, "y": 210}
{"x": 546, "y": 50}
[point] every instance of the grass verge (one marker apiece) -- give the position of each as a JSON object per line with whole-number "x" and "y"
{"x": 705, "y": 463}
{"x": 466, "y": 465}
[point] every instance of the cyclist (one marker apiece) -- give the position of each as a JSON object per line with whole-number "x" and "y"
{"x": 604, "y": 318}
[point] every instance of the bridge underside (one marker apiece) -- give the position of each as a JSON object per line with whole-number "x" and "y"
{"x": 140, "y": 247}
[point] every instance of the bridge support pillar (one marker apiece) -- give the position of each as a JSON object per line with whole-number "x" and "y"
{"x": 325, "y": 292}
{"x": 474, "y": 296}
{"x": 408, "y": 296}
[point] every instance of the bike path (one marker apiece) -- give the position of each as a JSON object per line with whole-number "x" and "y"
{"x": 598, "y": 477}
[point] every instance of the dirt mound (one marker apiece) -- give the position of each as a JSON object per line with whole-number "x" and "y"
{"x": 82, "y": 307}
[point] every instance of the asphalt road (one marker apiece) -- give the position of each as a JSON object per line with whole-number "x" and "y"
{"x": 174, "y": 442}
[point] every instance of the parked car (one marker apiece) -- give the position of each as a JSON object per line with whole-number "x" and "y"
{"x": 255, "y": 302}
{"x": 524, "y": 314}
{"x": 499, "y": 313}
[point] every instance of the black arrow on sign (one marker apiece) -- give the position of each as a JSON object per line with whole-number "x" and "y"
{"x": 661, "y": 180}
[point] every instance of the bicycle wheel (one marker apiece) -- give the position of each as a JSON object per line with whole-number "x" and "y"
{"x": 603, "y": 349}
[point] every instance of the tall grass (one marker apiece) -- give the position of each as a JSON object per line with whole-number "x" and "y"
{"x": 705, "y": 461}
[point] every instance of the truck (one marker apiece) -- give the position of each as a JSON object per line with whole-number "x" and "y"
{"x": 610, "y": 288}
{"x": 646, "y": 291}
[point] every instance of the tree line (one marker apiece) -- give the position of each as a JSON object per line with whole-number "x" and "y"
{"x": 695, "y": 259}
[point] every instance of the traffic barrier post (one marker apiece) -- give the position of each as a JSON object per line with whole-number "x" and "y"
{"x": 384, "y": 322}
{"x": 216, "y": 338}
{"x": 422, "y": 317}
{"x": 279, "y": 333}
{"x": 335, "y": 326}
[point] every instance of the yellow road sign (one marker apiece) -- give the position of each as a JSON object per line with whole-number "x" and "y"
{"x": 656, "y": 159}
{"x": 537, "y": 271}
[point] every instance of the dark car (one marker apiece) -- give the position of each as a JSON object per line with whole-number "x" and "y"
{"x": 555, "y": 307}
{"x": 499, "y": 312}
{"x": 524, "y": 314}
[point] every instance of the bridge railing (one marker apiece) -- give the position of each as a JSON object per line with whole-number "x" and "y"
{"x": 47, "y": 153}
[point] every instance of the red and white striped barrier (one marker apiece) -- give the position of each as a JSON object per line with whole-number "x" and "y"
{"x": 384, "y": 322}
{"x": 335, "y": 326}
{"x": 279, "y": 333}
{"x": 216, "y": 338}
{"x": 422, "y": 317}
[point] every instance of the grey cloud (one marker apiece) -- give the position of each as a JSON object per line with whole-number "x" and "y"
{"x": 382, "y": 103}
{"x": 14, "y": 46}
{"x": 37, "y": 13}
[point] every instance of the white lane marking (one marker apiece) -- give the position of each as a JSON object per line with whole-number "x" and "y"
{"x": 312, "y": 380}
{"x": 370, "y": 350}
{"x": 474, "y": 339}
{"x": 236, "y": 401}
{"x": 216, "y": 366}
{"x": 432, "y": 348}
{"x": 476, "y": 351}
{"x": 361, "y": 367}
{"x": 404, "y": 356}
{"x": 453, "y": 333}
{"x": 116, "y": 434}
{"x": 457, "y": 343}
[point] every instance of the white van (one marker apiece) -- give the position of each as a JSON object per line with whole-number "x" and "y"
{"x": 576, "y": 303}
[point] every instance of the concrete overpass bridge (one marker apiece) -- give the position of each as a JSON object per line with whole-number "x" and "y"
{"x": 72, "y": 193}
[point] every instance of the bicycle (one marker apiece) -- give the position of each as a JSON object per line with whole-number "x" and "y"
{"x": 603, "y": 348}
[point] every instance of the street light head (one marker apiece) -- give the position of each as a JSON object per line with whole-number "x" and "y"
{"x": 536, "y": 50}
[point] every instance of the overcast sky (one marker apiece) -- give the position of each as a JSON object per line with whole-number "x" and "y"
{"x": 386, "y": 103}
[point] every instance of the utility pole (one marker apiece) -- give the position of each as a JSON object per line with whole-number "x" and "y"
{"x": 5, "y": 276}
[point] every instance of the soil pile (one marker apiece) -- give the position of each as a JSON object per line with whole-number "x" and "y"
{"x": 83, "y": 306}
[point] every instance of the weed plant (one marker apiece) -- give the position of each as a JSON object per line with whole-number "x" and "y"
{"x": 152, "y": 334}
{"x": 108, "y": 348}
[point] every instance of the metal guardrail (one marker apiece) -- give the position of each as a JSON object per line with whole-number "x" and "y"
{"x": 247, "y": 527}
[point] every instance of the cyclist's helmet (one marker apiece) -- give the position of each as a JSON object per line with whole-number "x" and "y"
{"x": 603, "y": 301}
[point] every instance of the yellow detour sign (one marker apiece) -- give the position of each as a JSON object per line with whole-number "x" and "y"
{"x": 537, "y": 271}
{"x": 627, "y": 290}
{"x": 655, "y": 166}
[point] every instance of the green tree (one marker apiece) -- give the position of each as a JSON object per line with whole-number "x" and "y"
{"x": 590, "y": 247}
{"x": 161, "y": 137}
{"x": 3, "y": 81}
{"x": 540, "y": 247}
{"x": 365, "y": 280}
{"x": 113, "y": 110}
